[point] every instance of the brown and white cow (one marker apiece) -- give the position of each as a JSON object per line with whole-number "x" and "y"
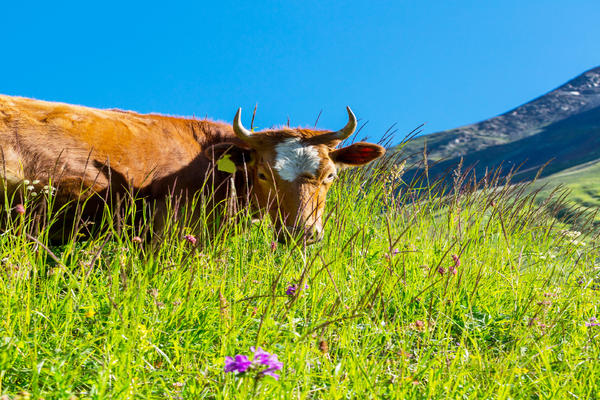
{"x": 87, "y": 153}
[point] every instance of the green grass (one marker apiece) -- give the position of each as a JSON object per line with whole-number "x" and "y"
{"x": 581, "y": 182}
{"x": 111, "y": 318}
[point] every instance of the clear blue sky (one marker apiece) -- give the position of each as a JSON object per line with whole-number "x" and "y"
{"x": 447, "y": 63}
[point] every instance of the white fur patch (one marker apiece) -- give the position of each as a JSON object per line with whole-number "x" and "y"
{"x": 294, "y": 159}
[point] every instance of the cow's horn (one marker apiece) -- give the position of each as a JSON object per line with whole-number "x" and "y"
{"x": 347, "y": 130}
{"x": 342, "y": 134}
{"x": 239, "y": 129}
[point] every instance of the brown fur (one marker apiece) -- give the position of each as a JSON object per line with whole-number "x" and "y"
{"x": 101, "y": 151}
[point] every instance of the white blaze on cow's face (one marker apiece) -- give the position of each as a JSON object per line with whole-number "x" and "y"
{"x": 293, "y": 159}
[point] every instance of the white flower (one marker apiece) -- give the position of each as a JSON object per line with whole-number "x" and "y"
{"x": 570, "y": 234}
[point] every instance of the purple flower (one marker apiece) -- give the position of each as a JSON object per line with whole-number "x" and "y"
{"x": 262, "y": 364}
{"x": 456, "y": 260}
{"x": 292, "y": 289}
{"x": 261, "y": 357}
{"x": 238, "y": 364}
{"x": 20, "y": 209}
{"x": 593, "y": 322}
{"x": 273, "y": 245}
{"x": 191, "y": 239}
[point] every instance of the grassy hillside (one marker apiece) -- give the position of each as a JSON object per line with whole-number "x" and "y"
{"x": 481, "y": 294}
{"x": 582, "y": 182}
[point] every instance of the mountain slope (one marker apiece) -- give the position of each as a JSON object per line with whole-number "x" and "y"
{"x": 566, "y": 143}
{"x": 577, "y": 96}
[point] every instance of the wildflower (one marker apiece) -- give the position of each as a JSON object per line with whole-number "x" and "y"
{"x": 292, "y": 289}
{"x": 238, "y": 364}
{"x": 20, "y": 209}
{"x": 268, "y": 360}
{"x": 136, "y": 239}
{"x": 393, "y": 252}
{"x": 419, "y": 325}
{"x": 441, "y": 270}
{"x": 456, "y": 260}
{"x": 521, "y": 371}
{"x": 273, "y": 245}
{"x": 191, "y": 239}
{"x": 570, "y": 234}
{"x": 90, "y": 313}
{"x": 241, "y": 364}
{"x": 593, "y": 322}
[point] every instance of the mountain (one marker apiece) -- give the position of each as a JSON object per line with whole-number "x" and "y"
{"x": 561, "y": 127}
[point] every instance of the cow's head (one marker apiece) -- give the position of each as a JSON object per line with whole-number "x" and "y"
{"x": 291, "y": 171}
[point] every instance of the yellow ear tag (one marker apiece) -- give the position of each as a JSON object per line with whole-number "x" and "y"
{"x": 225, "y": 164}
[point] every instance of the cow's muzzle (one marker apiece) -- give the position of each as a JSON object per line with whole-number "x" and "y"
{"x": 307, "y": 235}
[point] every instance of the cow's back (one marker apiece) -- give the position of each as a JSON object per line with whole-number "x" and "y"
{"x": 40, "y": 138}
{"x": 73, "y": 148}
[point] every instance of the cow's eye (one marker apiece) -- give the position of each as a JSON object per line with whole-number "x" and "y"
{"x": 331, "y": 177}
{"x": 262, "y": 176}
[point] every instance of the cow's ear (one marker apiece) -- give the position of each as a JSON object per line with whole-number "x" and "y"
{"x": 229, "y": 156}
{"x": 356, "y": 154}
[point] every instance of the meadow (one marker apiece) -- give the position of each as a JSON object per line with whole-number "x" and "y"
{"x": 415, "y": 292}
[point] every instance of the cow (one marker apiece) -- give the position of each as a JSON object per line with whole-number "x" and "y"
{"x": 88, "y": 155}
